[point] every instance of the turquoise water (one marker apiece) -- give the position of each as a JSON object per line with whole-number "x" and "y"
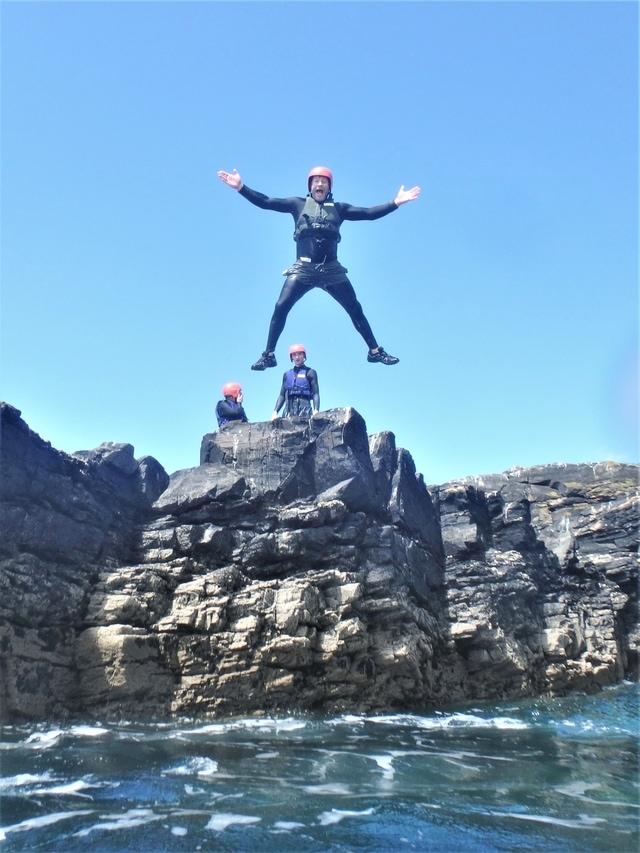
{"x": 534, "y": 775}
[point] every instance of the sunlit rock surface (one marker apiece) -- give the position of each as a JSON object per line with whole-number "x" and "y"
{"x": 304, "y": 566}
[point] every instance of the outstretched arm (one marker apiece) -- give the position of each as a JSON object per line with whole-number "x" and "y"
{"x": 348, "y": 211}
{"x": 281, "y": 205}
{"x": 231, "y": 179}
{"x": 406, "y": 195}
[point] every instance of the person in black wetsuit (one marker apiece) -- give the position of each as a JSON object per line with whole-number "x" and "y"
{"x": 299, "y": 389}
{"x": 230, "y": 408}
{"x": 318, "y": 219}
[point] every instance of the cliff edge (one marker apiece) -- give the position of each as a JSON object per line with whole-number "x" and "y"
{"x": 304, "y": 565}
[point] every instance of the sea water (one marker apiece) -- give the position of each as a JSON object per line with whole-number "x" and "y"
{"x": 544, "y": 774}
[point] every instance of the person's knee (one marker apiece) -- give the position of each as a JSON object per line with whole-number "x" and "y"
{"x": 289, "y": 295}
{"x": 354, "y": 309}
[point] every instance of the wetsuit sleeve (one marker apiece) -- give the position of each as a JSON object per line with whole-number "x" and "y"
{"x": 351, "y": 213}
{"x": 282, "y": 205}
{"x": 312, "y": 378}
{"x": 231, "y": 413}
{"x": 281, "y": 395}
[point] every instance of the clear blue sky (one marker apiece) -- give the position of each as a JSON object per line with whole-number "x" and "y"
{"x": 134, "y": 283}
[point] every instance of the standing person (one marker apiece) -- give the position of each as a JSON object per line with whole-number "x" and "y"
{"x": 317, "y": 234}
{"x": 230, "y": 408}
{"x": 299, "y": 387}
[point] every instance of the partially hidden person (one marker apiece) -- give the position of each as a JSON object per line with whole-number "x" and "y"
{"x": 230, "y": 407}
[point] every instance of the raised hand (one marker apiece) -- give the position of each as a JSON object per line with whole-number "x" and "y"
{"x": 406, "y": 195}
{"x": 232, "y": 179}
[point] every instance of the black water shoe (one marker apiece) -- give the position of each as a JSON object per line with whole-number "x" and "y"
{"x": 382, "y": 357}
{"x": 267, "y": 359}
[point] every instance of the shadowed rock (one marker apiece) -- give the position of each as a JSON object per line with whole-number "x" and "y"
{"x": 304, "y": 565}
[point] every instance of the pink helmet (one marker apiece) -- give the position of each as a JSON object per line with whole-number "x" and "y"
{"x": 322, "y": 172}
{"x": 231, "y": 389}
{"x": 297, "y": 348}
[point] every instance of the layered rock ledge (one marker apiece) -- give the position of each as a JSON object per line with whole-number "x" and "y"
{"x": 304, "y": 566}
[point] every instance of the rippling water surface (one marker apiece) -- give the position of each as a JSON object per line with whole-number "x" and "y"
{"x": 552, "y": 775}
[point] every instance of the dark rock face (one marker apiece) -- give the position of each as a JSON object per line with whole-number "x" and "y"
{"x": 304, "y": 566}
{"x": 292, "y": 459}
{"x": 62, "y": 519}
{"x": 542, "y": 576}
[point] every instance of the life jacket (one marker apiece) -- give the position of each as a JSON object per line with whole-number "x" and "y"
{"x": 223, "y": 420}
{"x": 318, "y": 220}
{"x": 296, "y": 383}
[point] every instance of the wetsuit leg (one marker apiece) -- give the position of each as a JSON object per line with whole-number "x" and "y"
{"x": 298, "y": 407}
{"x": 346, "y": 296}
{"x": 292, "y": 290}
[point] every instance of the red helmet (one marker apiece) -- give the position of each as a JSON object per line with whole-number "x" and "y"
{"x": 231, "y": 389}
{"x": 322, "y": 172}
{"x": 297, "y": 348}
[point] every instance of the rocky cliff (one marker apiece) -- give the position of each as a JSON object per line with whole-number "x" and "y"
{"x": 304, "y": 566}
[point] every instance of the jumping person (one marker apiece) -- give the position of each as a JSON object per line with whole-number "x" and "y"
{"x": 230, "y": 408}
{"x": 299, "y": 388}
{"x": 317, "y": 234}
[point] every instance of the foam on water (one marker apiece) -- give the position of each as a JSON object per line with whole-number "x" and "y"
{"x": 76, "y": 788}
{"x": 202, "y": 767}
{"x": 385, "y": 763}
{"x": 583, "y": 822}
{"x": 482, "y": 779}
{"x": 445, "y": 721}
{"x": 42, "y": 821}
{"x": 22, "y": 780}
{"x": 263, "y": 724}
{"x": 335, "y": 789}
{"x": 336, "y": 815}
{"x": 130, "y": 819}
{"x": 220, "y": 822}
{"x": 44, "y": 740}
{"x": 288, "y": 825}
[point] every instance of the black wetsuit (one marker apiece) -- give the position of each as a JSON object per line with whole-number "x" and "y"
{"x": 317, "y": 263}
{"x": 227, "y": 410}
{"x": 299, "y": 392}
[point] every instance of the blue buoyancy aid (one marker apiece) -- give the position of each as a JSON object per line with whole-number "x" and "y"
{"x": 232, "y": 404}
{"x": 296, "y": 383}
